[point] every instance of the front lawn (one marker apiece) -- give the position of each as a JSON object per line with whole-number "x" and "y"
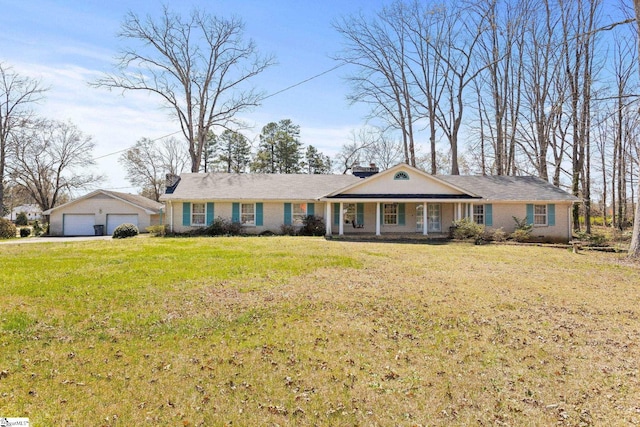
{"x": 305, "y": 331}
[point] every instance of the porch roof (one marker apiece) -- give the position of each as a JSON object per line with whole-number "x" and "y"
{"x": 405, "y": 196}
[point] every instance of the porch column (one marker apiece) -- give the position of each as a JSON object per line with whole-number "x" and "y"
{"x": 328, "y": 220}
{"x": 377, "y": 218}
{"x": 341, "y": 220}
{"x": 471, "y": 211}
{"x": 458, "y": 215}
{"x": 425, "y": 224}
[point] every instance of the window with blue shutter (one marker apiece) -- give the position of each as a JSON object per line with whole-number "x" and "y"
{"x": 235, "y": 212}
{"x": 336, "y": 213}
{"x": 287, "y": 214}
{"x": 311, "y": 209}
{"x": 401, "y": 213}
{"x": 488, "y": 215}
{"x": 360, "y": 213}
{"x": 186, "y": 214}
{"x": 209, "y": 213}
{"x": 259, "y": 210}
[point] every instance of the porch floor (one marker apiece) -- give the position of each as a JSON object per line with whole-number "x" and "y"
{"x": 391, "y": 237}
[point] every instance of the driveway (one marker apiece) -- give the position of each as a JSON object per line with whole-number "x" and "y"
{"x": 47, "y": 239}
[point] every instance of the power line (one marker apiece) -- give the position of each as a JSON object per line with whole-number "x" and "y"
{"x": 262, "y": 99}
{"x": 305, "y": 81}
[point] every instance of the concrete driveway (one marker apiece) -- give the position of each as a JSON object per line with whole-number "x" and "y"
{"x": 46, "y": 239}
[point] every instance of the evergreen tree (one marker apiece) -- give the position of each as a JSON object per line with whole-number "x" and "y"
{"x": 316, "y": 162}
{"x": 279, "y": 150}
{"x": 234, "y": 151}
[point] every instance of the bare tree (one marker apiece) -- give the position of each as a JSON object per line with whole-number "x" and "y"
{"x": 198, "y": 66}
{"x": 377, "y": 48}
{"x": 352, "y": 152}
{"x": 47, "y": 159}
{"x": 148, "y": 162}
{"x": 17, "y": 94}
{"x": 634, "y": 248}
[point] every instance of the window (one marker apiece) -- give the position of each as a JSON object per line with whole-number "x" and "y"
{"x": 349, "y": 212}
{"x": 299, "y": 212}
{"x": 390, "y": 214}
{"x": 478, "y": 214}
{"x": 401, "y": 176}
{"x": 198, "y": 216}
{"x": 248, "y": 214}
{"x": 540, "y": 215}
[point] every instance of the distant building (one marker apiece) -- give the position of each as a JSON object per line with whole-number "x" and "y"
{"x": 33, "y": 212}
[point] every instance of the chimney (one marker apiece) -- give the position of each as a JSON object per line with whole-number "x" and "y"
{"x": 363, "y": 171}
{"x": 171, "y": 182}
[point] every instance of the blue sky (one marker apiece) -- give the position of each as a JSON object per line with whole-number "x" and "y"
{"x": 66, "y": 44}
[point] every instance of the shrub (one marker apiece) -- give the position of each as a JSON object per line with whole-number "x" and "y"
{"x": 125, "y": 230}
{"x": 523, "y": 230}
{"x": 467, "y": 229}
{"x": 157, "y": 230}
{"x": 312, "y": 226}
{"x": 220, "y": 227}
{"x": 25, "y": 232}
{"x": 520, "y": 235}
{"x": 499, "y": 235}
{"x": 21, "y": 219}
{"x": 521, "y": 224}
{"x": 287, "y": 230}
{"x": 37, "y": 228}
{"x": 7, "y": 229}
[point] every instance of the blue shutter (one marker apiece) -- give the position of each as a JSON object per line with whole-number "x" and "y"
{"x": 360, "y": 213}
{"x": 336, "y": 213}
{"x": 488, "y": 215}
{"x": 287, "y": 214}
{"x": 258, "y": 214}
{"x": 209, "y": 213}
{"x": 551, "y": 215}
{"x": 311, "y": 209}
{"x": 400, "y": 213}
{"x": 186, "y": 213}
{"x": 529, "y": 213}
{"x": 235, "y": 212}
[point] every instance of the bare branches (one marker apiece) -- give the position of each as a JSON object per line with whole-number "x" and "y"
{"x": 17, "y": 94}
{"x": 198, "y": 66}
{"x": 47, "y": 158}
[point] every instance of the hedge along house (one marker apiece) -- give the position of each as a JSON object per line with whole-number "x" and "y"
{"x": 400, "y": 200}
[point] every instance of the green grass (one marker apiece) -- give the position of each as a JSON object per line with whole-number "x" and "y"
{"x": 304, "y": 331}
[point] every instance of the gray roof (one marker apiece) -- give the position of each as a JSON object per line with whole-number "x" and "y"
{"x": 225, "y": 186}
{"x": 136, "y": 199}
{"x": 510, "y": 188}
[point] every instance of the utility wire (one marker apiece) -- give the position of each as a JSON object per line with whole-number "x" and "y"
{"x": 262, "y": 99}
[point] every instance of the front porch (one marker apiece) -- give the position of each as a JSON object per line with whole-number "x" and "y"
{"x": 401, "y": 219}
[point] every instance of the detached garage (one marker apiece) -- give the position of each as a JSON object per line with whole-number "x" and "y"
{"x": 101, "y": 211}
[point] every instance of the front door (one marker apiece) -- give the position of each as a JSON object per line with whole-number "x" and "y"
{"x": 434, "y": 220}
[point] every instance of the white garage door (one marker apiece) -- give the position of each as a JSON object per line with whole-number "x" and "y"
{"x": 78, "y": 224}
{"x": 114, "y": 220}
